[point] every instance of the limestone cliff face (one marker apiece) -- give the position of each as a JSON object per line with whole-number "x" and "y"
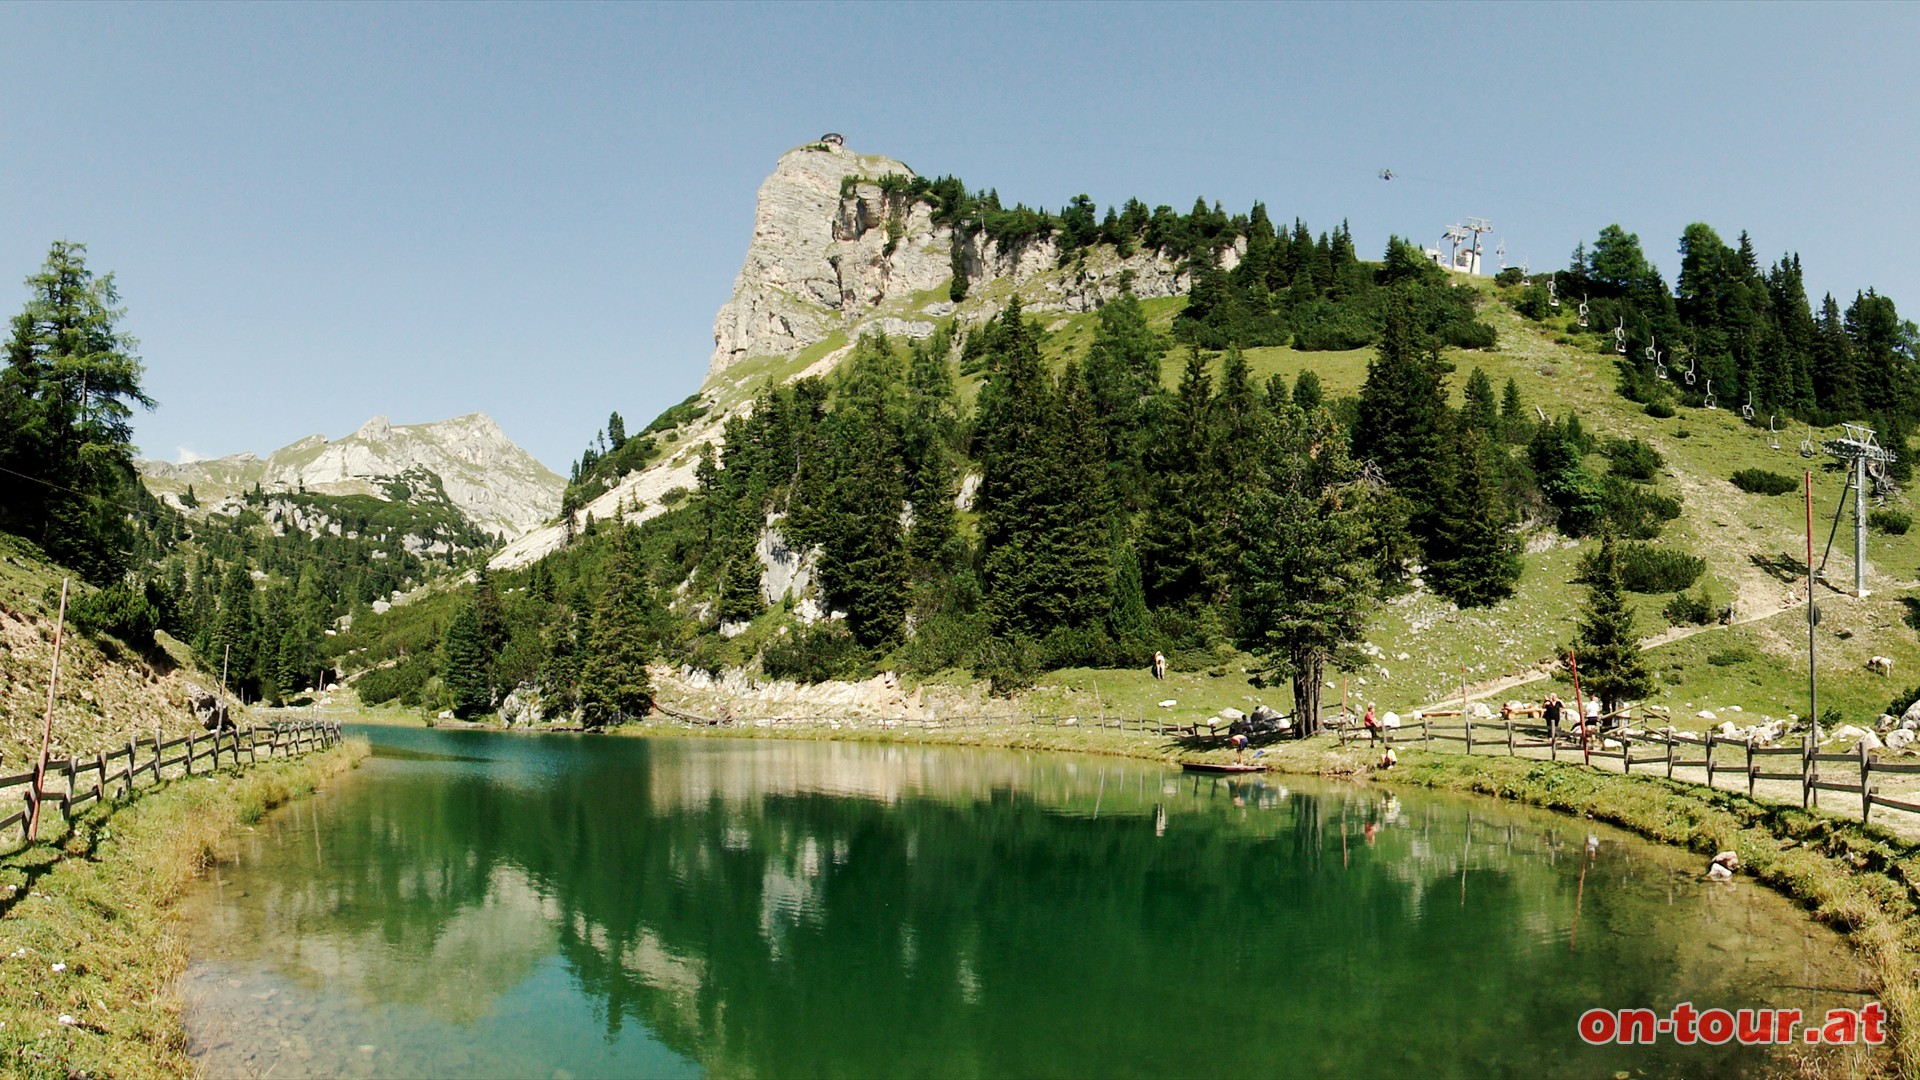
{"x": 495, "y": 484}
{"x": 834, "y": 253}
{"x": 832, "y": 250}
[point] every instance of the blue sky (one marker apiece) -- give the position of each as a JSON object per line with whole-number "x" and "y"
{"x": 318, "y": 213}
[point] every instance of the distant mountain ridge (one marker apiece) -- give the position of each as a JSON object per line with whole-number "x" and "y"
{"x": 498, "y": 486}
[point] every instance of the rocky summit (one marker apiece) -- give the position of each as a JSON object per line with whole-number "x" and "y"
{"x": 837, "y": 251}
{"x": 493, "y": 482}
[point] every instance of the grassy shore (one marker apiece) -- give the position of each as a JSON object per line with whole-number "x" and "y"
{"x": 1859, "y": 879}
{"x": 88, "y": 957}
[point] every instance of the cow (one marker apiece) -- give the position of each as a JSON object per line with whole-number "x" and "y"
{"x": 1881, "y": 665}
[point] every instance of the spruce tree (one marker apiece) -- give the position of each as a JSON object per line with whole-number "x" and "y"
{"x": 863, "y": 565}
{"x": 1307, "y": 394}
{"x": 1404, "y": 417}
{"x": 1478, "y": 411}
{"x": 1611, "y": 665}
{"x": 1474, "y": 557}
{"x": 1176, "y": 548}
{"x": 463, "y": 664}
{"x": 614, "y": 686}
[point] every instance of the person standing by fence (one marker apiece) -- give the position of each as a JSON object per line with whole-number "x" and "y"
{"x": 1550, "y": 712}
{"x": 1372, "y": 724}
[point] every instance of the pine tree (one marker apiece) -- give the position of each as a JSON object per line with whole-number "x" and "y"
{"x": 1513, "y": 414}
{"x": 1474, "y": 558}
{"x": 614, "y": 686}
{"x": 1611, "y": 665}
{"x": 863, "y": 565}
{"x": 463, "y": 664}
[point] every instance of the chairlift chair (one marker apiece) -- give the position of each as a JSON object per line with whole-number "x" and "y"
{"x": 1659, "y": 363}
{"x": 1620, "y": 337}
{"x": 1583, "y": 311}
{"x": 1526, "y": 275}
{"x": 1806, "y": 445}
{"x": 1773, "y": 434}
{"x": 1691, "y": 365}
{"x": 1710, "y": 402}
{"x": 1553, "y": 291}
{"x": 1746, "y": 411}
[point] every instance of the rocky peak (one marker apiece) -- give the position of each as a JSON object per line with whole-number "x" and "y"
{"x": 498, "y": 486}
{"x": 832, "y": 250}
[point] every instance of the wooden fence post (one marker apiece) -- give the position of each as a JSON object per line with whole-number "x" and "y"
{"x": 156, "y": 753}
{"x": 1809, "y": 772}
{"x": 1710, "y": 738}
{"x": 1752, "y": 779}
{"x": 1669, "y": 755}
{"x": 1426, "y": 733}
{"x": 131, "y": 766}
{"x": 1626, "y": 751}
{"x": 1510, "y": 750}
{"x": 189, "y": 752}
{"x": 1866, "y": 787}
{"x": 1468, "y": 720}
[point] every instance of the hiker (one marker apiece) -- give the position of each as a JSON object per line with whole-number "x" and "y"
{"x": 1593, "y": 716}
{"x": 1239, "y": 744}
{"x": 1159, "y": 665}
{"x": 1550, "y": 712}
{"x": 1371, "y": 724}
{"x": 1389, "y": 759}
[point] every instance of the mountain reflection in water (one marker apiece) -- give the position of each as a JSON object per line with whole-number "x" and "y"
{"x": 477, "y": 903}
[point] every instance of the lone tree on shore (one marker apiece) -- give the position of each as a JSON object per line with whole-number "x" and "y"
{"x": 1308, "y": 584}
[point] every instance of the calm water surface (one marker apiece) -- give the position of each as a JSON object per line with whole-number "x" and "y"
{"x": 471, "y": 903}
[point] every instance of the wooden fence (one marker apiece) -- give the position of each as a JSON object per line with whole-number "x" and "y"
{"x": 115, "y": 773}
{"x": 1662, "y": 753}
{"x": 1653, "y": 752}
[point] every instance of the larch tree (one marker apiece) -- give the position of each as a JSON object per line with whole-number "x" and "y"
{"x": 67, "y": 394}
{"x": 1307, "y": 583}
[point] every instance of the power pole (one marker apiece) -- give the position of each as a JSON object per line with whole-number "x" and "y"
{"x": 46, "y": 733}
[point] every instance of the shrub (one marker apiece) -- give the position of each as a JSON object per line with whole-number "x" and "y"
{"x": 1732, "y": 655}
{"x": 1074, "y": 646}
{"x": 1636, "y": 511}
{"x": 812, "y": 654}
{"x": 1898, "y": 706}
{"x": 404, "y": 681}
{"x": 1891, "y": 522}
{"x": 1651, "y": 568}
{"x": 116, "y": 610}
{"x": 1660, "y": 410}
{"x": 1689, "y": 609}
{"x": 1762, "y": 482}
{"x": 1633, "y": 458}
{"x": 1009, "y": 665}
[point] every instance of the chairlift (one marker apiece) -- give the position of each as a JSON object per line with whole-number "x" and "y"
{"x": 1553, "y": 290}
{"x": 1710, "y": 402}
{"x": 1773, "y": 434}
{"x": 1806, "y": 445}
{"x": 1620, "y": 337}
{"x": 1526, "y": 275}
{"x": 1691, "y": 365}
{"x": 1386, "y": 174}
{"x": 1659, "y": 364}
{"x": 1583, "y": 311}
{"x": 1746, "y": 411}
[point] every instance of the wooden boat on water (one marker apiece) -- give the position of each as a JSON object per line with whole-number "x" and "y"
{"x": 1228, "y": 767}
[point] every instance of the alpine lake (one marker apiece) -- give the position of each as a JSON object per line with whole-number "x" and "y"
{"x": 472, "y": 903}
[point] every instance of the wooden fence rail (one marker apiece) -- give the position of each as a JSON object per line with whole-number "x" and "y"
{"x": 112, "y": 774}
